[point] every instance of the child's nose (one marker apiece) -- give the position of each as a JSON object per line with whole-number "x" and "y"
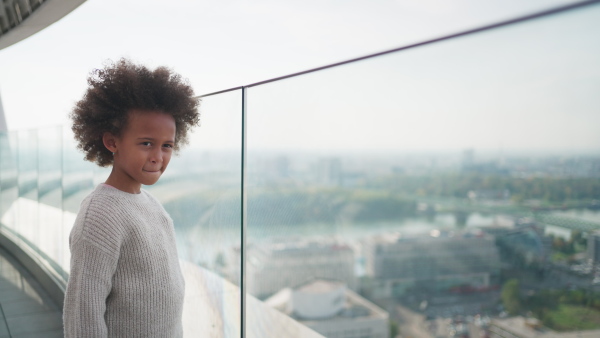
{"x": 156, "y": 156}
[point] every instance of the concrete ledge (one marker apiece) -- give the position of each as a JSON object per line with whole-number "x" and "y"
{"x": 48, "y": 278}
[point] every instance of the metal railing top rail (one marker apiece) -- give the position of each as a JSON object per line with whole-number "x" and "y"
{"x": 500, "y": 24}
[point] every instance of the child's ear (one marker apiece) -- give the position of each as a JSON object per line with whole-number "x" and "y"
{"x": 110, "y": 142}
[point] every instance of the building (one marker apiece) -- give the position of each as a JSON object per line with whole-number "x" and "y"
{"x": 331, "y": 309}
{"x": 439, "y": 262}
{"x": 274, "y": 266}
{"x": 329, "y": 171}
{"x": 593, "y": 247}
{"x": 524, "y": 244}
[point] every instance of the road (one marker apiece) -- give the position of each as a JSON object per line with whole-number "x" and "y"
{"x": 412, "y": 324}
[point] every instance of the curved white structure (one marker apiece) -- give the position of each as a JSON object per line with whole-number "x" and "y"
{"x": 20, "y": 19}
{"x": 318, "y": 300}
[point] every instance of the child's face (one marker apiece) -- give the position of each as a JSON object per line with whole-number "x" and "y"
{"x": 143, "y": 151}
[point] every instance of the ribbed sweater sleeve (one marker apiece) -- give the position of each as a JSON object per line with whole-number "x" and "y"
{"x": 95, "y": 244}
{"x": 86, "y": 304}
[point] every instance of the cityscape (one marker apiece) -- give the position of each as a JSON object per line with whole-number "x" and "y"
{"x": 430, "y": 245}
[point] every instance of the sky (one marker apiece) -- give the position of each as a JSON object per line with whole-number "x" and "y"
{"x": 220, "y": 44}
{"x": 486, "y": 81}
{"x": 527, "y": 87}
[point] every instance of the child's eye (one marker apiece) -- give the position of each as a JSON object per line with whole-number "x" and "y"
{"x": 168, "y": 145}
{"x": 146, "y": 143}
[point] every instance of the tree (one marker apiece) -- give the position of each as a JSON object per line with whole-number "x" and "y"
{"x": 394, "y": 329}
{"x": 511, "y": 296}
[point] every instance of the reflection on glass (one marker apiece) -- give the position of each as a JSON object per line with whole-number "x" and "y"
{"x": 450, "y": 189}
{"x": 77, "y": 181}
{"x": 44, "y": 179}
{"x": 51, "y": 241}
{"x": 201, "y": 191}
{"x": 27, "y": 208}
{"x": 8, "y": 177}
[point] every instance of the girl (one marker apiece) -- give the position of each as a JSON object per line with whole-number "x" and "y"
{"x": 125, "y": 279}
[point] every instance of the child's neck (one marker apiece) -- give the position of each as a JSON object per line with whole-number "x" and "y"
{"x": 128, "y": 186}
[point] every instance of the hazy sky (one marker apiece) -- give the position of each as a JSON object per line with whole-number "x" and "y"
{"x": 220, "y": 44}
{"x": 527, "y": 87}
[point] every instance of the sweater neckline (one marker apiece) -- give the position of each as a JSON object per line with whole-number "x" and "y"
{"x": 110, "y": 190}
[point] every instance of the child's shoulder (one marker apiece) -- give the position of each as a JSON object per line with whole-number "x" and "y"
{"x": 106, "y": 198}
{"x": 103, "y": 195}
{"x": 100, "y": 219}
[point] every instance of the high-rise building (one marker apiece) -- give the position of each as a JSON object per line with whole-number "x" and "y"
{"x": 593, "y": 247}
{"x": 329, "y": 171}
{"x": 438, "y": 262}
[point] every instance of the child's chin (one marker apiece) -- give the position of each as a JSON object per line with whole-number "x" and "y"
{"x": 151, "y": 178}
{"x": 150, "y": 182}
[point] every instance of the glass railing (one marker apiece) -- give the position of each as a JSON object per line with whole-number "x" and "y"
{"x": 451, "y": 188}
{"x": 421, "y": 191}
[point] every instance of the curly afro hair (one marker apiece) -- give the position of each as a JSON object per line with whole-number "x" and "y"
{"x": 121, "y": 87}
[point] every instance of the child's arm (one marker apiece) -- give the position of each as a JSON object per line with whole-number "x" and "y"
{"x": 89, "y": 286}
{"x": 94, "y": 257}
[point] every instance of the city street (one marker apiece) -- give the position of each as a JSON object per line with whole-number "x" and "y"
{"x": 412, "y": 324}
{"x": 415, "y": 325}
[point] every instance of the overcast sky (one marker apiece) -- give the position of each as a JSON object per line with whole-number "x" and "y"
{"x": 220, "y": 44}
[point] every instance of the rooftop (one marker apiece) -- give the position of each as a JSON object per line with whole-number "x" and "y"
{"x": 354, "y": 306}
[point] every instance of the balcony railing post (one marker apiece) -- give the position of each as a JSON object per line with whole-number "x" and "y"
{"x": 243, "y": 217}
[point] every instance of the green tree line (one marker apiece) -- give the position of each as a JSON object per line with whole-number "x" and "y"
{"x": 575, "y": 309}
{"x": 548, "y": 189}
{"x": 276, "y": 206}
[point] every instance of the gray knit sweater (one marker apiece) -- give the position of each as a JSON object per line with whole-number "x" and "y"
{"x": 125, "y": 277}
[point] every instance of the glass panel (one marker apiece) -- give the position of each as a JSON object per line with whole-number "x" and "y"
{"x": 77, "y": 182}
{"x": 8, "y": 177}
{"x": 51, "y": 240}
{"x": 443, "y": 189}
{"x": 201, "y": 190}
{"x": 27, "y": 209}
{"x": 78, "y": 174}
